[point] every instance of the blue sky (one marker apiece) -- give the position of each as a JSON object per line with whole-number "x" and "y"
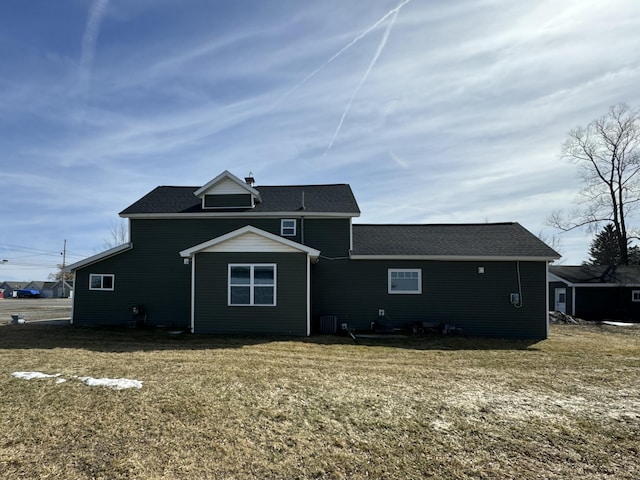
{"x": 433, "y": 111}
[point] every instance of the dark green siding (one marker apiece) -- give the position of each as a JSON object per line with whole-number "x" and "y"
{"x": 287, "y": 317}
{"x": 162, "y": 288}
{"x": 606, "y": 303}
{"x": 452, "y": 292}
{"x": 227, "y": 201}
{"x": 153, "y": 273}
{"x": 330, "y": 236}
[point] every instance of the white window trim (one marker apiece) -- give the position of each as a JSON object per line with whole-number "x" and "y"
{"x": 102, "y": 275}
{"x": 283, "y": 228}
{"x": 635, "y": 295}
{"x": 404, "y": 292}
{"x": 251, "y": 285}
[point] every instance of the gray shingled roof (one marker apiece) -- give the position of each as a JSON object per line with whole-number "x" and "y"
{"x": 618, "y": 274}
{"x": 473, "y": 240}
{"x": 317, "y": 198}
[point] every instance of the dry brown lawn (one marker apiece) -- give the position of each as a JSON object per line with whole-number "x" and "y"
{"x": 324, "y": 407}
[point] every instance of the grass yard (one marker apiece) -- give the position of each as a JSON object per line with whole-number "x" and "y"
{"x": 324, "y": 407}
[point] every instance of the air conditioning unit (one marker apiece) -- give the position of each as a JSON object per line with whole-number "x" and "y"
{"x": 329, "y": 324}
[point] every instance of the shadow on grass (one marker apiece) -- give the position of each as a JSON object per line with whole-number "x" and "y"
{"x": 35, "y": 336}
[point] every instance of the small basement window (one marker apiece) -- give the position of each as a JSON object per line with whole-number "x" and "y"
{"x": 635, "y": 295}
{"x": 101, "y": 281}
{"x": 405, "y": 281}
{"x": 288, "y": 227}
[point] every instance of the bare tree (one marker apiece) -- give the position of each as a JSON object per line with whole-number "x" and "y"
{"x": 119, "y": 235}
{"x": 59, "y": 275}
{"x": 607, "y": 153}
{"x": 555, "y": 242}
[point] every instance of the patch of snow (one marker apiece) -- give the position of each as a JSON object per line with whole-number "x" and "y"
{"x": 114, "y": 383}
{"x": 32, "y": 375}
{"x": 618, "y": 324}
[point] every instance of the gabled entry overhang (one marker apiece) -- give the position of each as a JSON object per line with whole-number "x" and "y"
{"x": 250, "y": 239}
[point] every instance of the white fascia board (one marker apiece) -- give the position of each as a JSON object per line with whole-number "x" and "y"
{"x": 230, "y": 176}
{"x": 451, "y": 258}
{"x": 189, "y": 252}
{"x": 100, "y": 256}
{"x": 556, "y": 278}
{"x": 178, "y": 216}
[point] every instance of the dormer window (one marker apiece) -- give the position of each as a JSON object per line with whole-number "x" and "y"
{"x": 288, "y": 227}
{"x": 227, "y": 192}
{"x": 238, "y": 200}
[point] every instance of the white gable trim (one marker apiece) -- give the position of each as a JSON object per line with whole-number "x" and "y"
{"x": 225, "y": 177}
{"x": 100, "y": 256}
{"x": 250, "y": 239}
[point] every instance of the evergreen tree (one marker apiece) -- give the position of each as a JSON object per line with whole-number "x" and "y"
{"x": 605, "y": 249}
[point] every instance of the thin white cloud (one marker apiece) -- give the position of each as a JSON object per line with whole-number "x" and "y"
{"x": 96, "y": 14}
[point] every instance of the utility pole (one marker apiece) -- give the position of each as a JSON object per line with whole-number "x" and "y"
{"x": 64, "y": 259}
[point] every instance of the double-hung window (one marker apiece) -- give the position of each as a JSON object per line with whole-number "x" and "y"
{"x": 252, "y": 284}
{"x": 635, "y": 295}
{"x": 405, "y": 280}
{"x": 288, "y": 227}
{"x": 101, "y": 281}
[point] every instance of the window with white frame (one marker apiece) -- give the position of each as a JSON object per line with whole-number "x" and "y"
{"x": 405, "y": 281}
{"x": 101, "y": 281}
{"x": 635, "y": 295}
{"x": 288, "y": 227}
{"x": 252, "y": 284}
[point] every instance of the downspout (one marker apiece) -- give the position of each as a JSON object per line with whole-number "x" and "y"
{"x": 73, "y": 302}
{"x": 547, "y": 298}
{"x": 193, "y": 293}
{"x": 308, "y": 295}
{"x": 302, "y": 221}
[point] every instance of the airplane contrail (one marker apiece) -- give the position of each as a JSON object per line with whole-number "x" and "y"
{"x": 383, "y": 42}
{"x": 89, "y": 40}
{"x": 393, "y": 11}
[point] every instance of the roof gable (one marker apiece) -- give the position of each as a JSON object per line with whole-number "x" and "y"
{"x": 226, "y": 184}
{"x": 250, "y": 239}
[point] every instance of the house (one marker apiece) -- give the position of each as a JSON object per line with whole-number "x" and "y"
{"x": 596, "y": 292}
{"x": 247, "y": 259}
{"x": 56, "y": 289}
{"x": 11, "y": 287}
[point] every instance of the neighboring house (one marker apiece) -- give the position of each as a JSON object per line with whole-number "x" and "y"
{"x": 57, "y": 289}
{"x": 596, "y": 292}
{"x": 233, "y": 258}
{"x": 11, "y": 287}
